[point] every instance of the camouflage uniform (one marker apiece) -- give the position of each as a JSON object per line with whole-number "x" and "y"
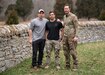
{"x": 69, "y": 46}
{"x": 50, "y": 44}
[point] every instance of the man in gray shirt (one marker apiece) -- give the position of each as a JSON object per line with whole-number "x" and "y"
{"x": 37, "y": 38}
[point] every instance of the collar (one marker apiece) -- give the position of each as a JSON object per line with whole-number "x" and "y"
{"x": 40, "y": 19}
{"x": 68, "y": 14}
{"x": 52, "y": 21}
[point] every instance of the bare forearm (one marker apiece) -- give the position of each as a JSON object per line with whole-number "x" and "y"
{"x": 30, "y": 36}
{"x": 46, "y": 34}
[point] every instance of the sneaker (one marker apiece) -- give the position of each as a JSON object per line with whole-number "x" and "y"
{"x": 67, "y": 66}
{"x": 40, "y": 66}
{"x": 58, "y": 67}
{"x": 35, "y": 67}
{"x": 75, "y": 67}
{"x": 47, "y": 66}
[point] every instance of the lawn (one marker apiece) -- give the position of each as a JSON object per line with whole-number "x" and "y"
{"x": 91, "y": 62}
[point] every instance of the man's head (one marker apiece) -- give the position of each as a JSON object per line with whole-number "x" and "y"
{"x": 41, "y": 13}
{"x": 66, "y": 9}
{"x": 51, "y": 15}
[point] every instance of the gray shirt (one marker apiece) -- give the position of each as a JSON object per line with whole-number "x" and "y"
{"x": 38, "y": 28}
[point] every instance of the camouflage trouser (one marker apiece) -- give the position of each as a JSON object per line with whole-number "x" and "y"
{"x": 50, "y": 45}
{"x": 69, "y": 47}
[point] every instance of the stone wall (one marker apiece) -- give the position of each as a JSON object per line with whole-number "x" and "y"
{"x": 91, "y": 31}
{"x": 14, "y": 46}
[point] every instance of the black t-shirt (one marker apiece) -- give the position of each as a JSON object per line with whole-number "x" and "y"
{"x": 53, "y": 30}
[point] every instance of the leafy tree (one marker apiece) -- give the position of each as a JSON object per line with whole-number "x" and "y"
{"x": 10, "y": 8}
{"x": 12, "y": 18}
{"x": 100, "y": 6}
{"x": 0, "y": 9}
{"x": 59, "y": 7}
{"x": 84, "y": 8}
{"x": 102, "y": 15}
{"x": 89, "y": 8}
{"x": 24, "y": 7}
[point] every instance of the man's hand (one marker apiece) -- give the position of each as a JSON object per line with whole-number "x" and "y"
{"x": 30, "y": 36}
{"x": 60, "y": 39}
{"x": 30, "y": 41}
{"x": 75, "y": 39}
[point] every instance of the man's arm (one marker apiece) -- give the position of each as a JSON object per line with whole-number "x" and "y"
{"x": 30, "y": 36}
{"x": 31, "y": 27}
{"x": 62, "y": 30}
{"x": 76, "y": 23}
{"x": 46, "y": 34}
{"x": 62, "y": 33}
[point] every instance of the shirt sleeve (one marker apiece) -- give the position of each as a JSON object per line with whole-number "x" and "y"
{"x": 61, "y": 25}
{"x": 46, "y": 27}
{"x": 32, "y": 25}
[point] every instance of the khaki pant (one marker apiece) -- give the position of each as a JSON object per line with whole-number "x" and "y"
{"x": 50, "y": 45}
{"x": 69, "y": 47}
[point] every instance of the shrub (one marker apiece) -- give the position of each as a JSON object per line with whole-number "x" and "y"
{"x": 102, "y": 15}
{"x": 24, "y": 8}
{"x": 10, "y": 8}
{"x": 12, "y": 18}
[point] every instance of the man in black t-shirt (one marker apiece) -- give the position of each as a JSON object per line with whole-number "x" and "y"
{"x": 53, "y": 38}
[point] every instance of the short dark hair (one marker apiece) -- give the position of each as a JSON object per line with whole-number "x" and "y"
{"x": 51, "y": 12}
{"x": 66, "y": 5}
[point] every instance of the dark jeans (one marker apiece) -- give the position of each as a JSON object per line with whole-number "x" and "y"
{"x": 37, "y": 46}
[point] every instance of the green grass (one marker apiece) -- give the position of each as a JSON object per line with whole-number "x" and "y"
{"x": 91, "y": 62}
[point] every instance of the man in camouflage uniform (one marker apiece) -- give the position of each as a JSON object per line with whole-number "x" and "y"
{"x": 70, "y": 37}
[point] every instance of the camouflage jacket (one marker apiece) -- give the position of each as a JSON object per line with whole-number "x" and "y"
{"x": 71, "y": 24}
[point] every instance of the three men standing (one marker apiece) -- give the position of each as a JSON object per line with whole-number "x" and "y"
{"x": 52, "y": 27}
